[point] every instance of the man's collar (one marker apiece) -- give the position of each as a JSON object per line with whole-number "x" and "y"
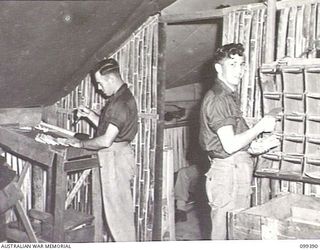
{"x": 221, "y": 86}
{"x": 122, "y": 88}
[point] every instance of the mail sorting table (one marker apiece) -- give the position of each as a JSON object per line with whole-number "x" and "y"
{"x": 58, "y": 161}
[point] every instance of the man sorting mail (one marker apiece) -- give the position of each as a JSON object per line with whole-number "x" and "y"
{"x": 116, "y": 127}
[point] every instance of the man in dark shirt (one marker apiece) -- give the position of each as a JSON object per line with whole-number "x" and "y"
{"x": 116, "y": 126}
{"x": 225, "y": 136}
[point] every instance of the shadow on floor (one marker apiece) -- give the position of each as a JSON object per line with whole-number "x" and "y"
{"x": 198, "y": 223}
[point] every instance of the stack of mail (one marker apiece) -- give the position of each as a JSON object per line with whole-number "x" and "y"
{"x": 48, "y": 139}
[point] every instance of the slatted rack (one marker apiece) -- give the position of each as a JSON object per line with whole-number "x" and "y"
{"x": 293, "y": 85}
{"x": 296, "y": 34}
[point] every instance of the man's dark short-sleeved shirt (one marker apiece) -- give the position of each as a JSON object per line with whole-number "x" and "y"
{"x": 220, "y": 107}
{"x": 121, "y": 111}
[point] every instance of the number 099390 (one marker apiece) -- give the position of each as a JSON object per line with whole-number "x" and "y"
{"x": 309, "y": 246}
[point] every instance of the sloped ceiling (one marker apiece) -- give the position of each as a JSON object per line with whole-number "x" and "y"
{"x": 46, "y": 47}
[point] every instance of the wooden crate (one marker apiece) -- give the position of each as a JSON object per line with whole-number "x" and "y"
{"x": 289, "y": 216}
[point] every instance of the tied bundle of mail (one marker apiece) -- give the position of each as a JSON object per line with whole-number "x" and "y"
{"x": 263, "y": 145}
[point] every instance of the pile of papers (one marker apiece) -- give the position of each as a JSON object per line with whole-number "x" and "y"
{"x": 48, "y": 139}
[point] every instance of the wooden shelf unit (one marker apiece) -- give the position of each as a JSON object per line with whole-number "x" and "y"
{"x": 293, "y": 85}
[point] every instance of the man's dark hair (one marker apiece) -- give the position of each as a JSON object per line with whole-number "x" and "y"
{"x": 105, "y": 66}
{"x": 227, "y": 50}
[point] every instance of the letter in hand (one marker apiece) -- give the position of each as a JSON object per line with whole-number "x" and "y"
{"x": 267, "y": 123}
{"x": 81, "y": 111}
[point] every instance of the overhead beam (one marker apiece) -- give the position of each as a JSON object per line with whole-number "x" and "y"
{"x": 192, "y": 17}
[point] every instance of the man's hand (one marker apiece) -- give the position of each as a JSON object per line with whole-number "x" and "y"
{"x": 83, "y": 111}
{"x": 74, "y": 142}
{"x": 267, "y": 124}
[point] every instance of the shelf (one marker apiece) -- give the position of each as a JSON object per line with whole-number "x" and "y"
{"x": 287, "y": 177}
{"x": 293, "y": 85}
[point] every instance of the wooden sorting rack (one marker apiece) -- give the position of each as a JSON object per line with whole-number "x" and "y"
{"x": 58, "y": 161}
{"x": 293, "y": 85}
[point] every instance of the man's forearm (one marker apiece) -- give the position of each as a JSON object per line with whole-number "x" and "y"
{"x": 233, "y": 142}
{"x": 97, "y": 143}
{"x": 245, "y": 138}
{"x": 103, "y": 141}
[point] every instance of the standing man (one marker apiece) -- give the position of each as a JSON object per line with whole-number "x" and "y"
{"x": 116, "y": 126}
{"x": 225, "y": 137}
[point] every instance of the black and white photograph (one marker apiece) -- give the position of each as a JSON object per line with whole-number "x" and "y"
{"x": 177, "y": 123}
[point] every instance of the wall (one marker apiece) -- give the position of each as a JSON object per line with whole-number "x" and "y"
{"x": 190, "y": 46}
{"x": 190, "y": 92}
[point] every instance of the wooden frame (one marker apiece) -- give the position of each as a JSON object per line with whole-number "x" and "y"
{"x": 156, "y": 233}
{"x": 56, "y": 160}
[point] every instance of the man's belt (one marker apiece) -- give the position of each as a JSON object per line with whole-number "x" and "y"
{"x": 215, "y": 155}
{"x": 118, "y": 145}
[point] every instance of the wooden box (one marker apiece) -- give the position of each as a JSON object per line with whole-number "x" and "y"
{"x": 288, "y": 216}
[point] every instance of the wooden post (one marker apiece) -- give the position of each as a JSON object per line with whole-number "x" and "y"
{"x": 60, "y": 179}
{"x": 161, "y": 86}
{"x": 49, "y": 194}
{"x": 270, "y": 35}
{"x": 97, "y": 205}
{"x": 37, "y": 187}
{"x": 269, "y": 57}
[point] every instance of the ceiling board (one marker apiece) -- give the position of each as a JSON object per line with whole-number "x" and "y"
{"x": 47, "y": 47}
